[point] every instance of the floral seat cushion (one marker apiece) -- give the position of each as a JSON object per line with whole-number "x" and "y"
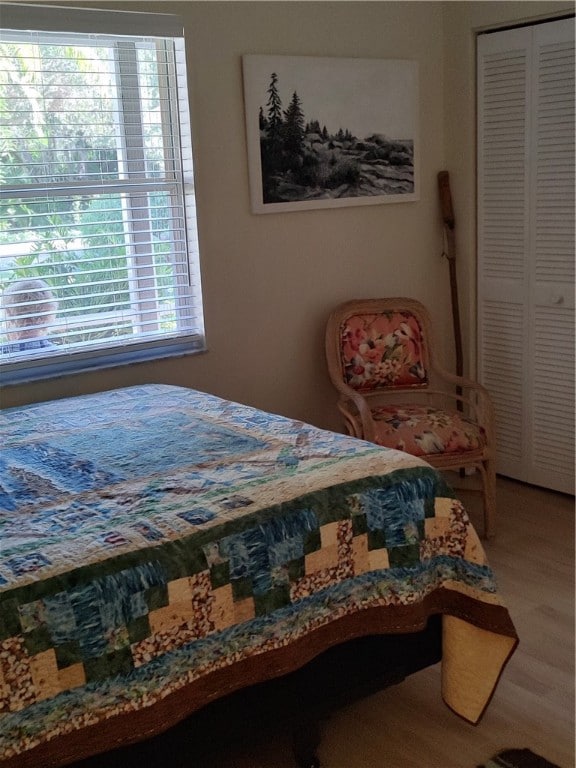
{"x": 421, "y": 430}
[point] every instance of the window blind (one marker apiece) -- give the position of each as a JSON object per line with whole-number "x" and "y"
{"x": 98, "y": 241}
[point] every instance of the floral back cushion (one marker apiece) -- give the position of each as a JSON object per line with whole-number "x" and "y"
{"x": 383, "y": 350}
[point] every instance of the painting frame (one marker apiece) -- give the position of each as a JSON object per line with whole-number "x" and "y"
{"x": 325, "y": 132}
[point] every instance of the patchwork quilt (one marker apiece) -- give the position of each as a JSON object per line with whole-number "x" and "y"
{"x": 161, "y": 546}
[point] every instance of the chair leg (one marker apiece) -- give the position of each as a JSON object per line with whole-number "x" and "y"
{"x": 489, "y": 484}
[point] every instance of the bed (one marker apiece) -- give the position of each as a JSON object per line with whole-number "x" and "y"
{"x": 163, "y": 548}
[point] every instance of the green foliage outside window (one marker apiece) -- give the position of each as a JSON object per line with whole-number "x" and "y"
{"x": 77, "y": 243}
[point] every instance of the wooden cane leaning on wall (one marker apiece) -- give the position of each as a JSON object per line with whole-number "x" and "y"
{"x": 449, "y": 221}
{"x": 450, "y": 253}
{"x": 487, "y": 466}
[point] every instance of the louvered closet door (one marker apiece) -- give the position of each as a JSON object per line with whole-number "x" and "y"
{"x": 526, "y": 247}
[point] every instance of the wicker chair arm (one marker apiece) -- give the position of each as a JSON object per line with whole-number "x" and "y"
{"x": 347, "y": 395}
{"x": 478, "y": 396}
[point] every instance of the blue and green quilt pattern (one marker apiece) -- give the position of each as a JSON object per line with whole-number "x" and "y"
{"x": 153, "y": 535}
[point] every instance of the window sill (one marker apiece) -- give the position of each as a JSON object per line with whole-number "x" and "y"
{"x": 14, "y": 374}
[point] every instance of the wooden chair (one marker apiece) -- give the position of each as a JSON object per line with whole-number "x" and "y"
{"x": 394, "y": 393}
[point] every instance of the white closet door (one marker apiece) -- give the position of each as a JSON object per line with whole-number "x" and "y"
{"x": 526, "y": 247}
{"x": 552, "y": 219}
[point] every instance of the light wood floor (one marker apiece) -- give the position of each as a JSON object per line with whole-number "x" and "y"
{"x": 408, "y": 726}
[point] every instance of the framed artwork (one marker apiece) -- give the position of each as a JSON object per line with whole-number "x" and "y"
{"x": 330, "y": 132}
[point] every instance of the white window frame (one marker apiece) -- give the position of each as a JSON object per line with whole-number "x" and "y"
{"x": 178, "y": 182}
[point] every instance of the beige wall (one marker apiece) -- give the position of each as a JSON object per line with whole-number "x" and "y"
{"x": 270, "y": 280}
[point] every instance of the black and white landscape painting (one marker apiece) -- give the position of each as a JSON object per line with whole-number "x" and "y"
{"x": 326, "y": 132}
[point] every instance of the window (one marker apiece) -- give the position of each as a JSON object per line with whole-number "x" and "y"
{"x": 98, "y": 242}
